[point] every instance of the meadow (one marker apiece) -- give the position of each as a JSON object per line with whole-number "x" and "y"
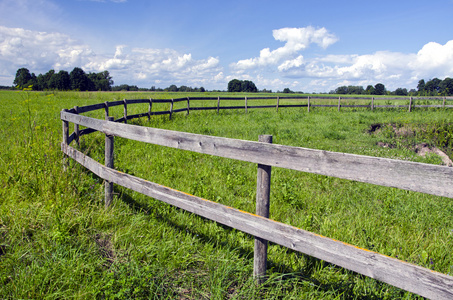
{"x": 58, "y": 241}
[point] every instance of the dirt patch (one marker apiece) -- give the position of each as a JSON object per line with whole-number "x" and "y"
{"x": 424, "y": 149}
{"x": 406, "y": 133}
{"x": 105, "y": 248}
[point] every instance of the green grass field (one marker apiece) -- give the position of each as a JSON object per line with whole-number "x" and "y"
{"x": 57, "y": 240}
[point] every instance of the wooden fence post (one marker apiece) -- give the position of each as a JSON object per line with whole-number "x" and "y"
{"x": 410, "y": 104}
{"x": 76, "y": 127}
{"x": 308, "y": 106}
{"x": 109, "y": 144}
{"x": 65, "y": 141}
{"x": 278, "y": 102}
{"x": 218, "y": 104}
{"x": 106, "y": 106}
{"x": 245, "y": 104}
{"x": 372, "y": 103}
{"x": 339, "y": 103}
{"x": 150, "y": 108}
{"x": 263, "y": 188}
{"x": 125, "y": 111}
{"x": 171, "y": 108}
{"x": 188, "y": 105}
{"x": 443, "y": 103}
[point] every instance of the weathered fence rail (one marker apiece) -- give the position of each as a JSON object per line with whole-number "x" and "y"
{"x": 431, "y": 179}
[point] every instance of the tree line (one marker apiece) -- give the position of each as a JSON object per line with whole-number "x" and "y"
{"x": 433, "y": 87}
{"x": 77, "y": 79}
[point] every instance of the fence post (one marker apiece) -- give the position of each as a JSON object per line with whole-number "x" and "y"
{"x": 372, "y": 103}
{"x": 443, "y": 103}
{"x": 308, "y": 106}
{"x": 263, "y": 188}
{"x": 410, "y": 104}
{"x": 245, "y": 104}
{"x": 76, "y": 127}
{"x": 171, "y": 108}
{"x": 218, "y": 104}
{"x": 278, "y": 102}
{"x": 65, "y": 141}
{"x": 188, "y": 105}
{"x": 339, "y": 103}
{"x": 109, "y": 144}
{"x": 149, "y": 108}
{"x": 125, "y": 111}
{"x": 106, "y": 106}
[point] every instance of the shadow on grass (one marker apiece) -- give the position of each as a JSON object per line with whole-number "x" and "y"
{"x": 306, "y": 274}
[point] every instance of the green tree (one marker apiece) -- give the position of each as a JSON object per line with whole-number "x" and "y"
{"x": 446, "y": 86}
{"x": 234, "y": 86}
{"x": 23, "y": 78}
{"x": 370, "y": 90}
{"x": 432, "y": 87}
{"x": 379, "y": 89}
{"x": 287, "y": 91}
{"x": 401, "y": 92}
{"x": 79, "y": 80}
{"x": 421, "y": 87}
{"x": 62, "y": 81}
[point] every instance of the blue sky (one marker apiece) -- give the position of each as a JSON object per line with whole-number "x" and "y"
{"x": 310, "y": 46}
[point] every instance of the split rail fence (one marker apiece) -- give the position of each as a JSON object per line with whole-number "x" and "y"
{"x": 418, "y": 177}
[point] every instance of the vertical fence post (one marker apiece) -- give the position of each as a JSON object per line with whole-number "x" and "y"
{"x": 339, "y": 103}
{"x": 218, "y": 104}
{"x": 106, "y": 106}
{"x": 150, "y": 108}
{"x": 125, "y": 111}
{"x": 443, "y": 103}
{"x": 372, "y": 103}
{"x": 245, "y": 104}
{"x": 263, "y": 188}
{"x": 188, "y": 105}
{"x": 278, "y": 102}
{"x": 171, "y": 108}
{"x": 65, "y": 141}
{"x": 410, "y": 104}
{"x": 308, "y": 105}
{"x": 76, "y": 127}
{"x": 109, "y": 141}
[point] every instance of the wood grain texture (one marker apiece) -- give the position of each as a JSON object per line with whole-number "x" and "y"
{"x": 418, "y": 177}
{"x": 416, "y": 279}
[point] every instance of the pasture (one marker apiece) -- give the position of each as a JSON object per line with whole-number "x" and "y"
{"x": 57, "y": 240}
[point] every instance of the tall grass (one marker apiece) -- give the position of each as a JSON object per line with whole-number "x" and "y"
{"x": 57, "y": 240}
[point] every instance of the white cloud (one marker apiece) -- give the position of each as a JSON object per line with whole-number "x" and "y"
{"x": 296, "y": 39}
{"x": 41, "y": 51}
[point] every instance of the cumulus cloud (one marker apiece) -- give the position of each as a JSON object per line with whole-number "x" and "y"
{"x": 41, "y": 51}
{"x": 296, "y": 39}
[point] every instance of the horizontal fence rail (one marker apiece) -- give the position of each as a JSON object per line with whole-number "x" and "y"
{"x": 418, "y": 177}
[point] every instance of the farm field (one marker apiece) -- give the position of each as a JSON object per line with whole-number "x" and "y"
{"x": 58, "y": 241}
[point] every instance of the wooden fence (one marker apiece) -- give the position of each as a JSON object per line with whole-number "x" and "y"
{"x": 425, "y": 178}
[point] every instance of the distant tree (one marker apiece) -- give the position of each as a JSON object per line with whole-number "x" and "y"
{"x": 234, "y": 86}
{"x": 79, "y": 80}
{"x": 421, "y": 87}
{"x": 401, "y": 92}
{"x": 248, "y": 86}
{"x": 62, "y": 80}
{"x": 101, "y": 81}
{"x": 370, "y": 90}
{"x": 446, "y": 86}
{"x": 356, "y": 90}
{"x": 287, "y": 91}
{"x": 23, "y": 78}
{"x": 342, "y": 90}
{"x": 432, "y": 87}
{"x": 379, "y": 89}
